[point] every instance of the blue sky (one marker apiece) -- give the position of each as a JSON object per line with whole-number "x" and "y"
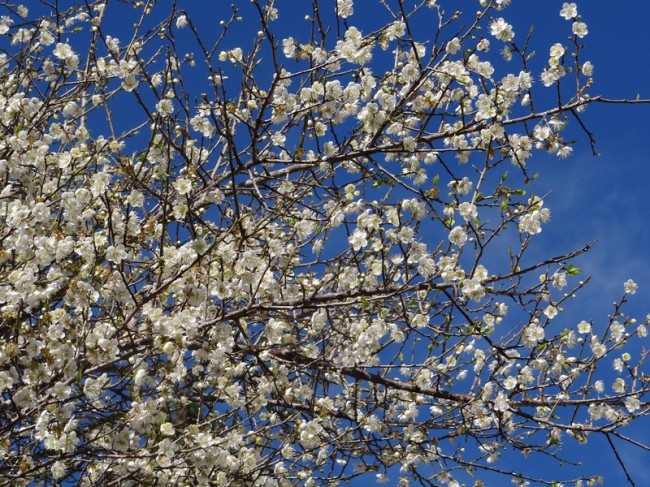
{"x": 604, "y": 197}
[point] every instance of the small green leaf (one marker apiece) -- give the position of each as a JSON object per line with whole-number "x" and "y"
{"x": 572, "y": 270}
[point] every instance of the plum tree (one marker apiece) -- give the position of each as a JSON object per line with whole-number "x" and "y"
{"x": 281, "y": 251}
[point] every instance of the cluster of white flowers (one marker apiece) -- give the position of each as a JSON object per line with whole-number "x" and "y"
{"x": 345, "y": 8}
{"x": 500, "y": 29}
{"x": 531, "y": 221}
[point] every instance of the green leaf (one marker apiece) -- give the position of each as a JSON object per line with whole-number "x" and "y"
{"x": 572, "y": 270}
{"x": 365, "y": 304}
